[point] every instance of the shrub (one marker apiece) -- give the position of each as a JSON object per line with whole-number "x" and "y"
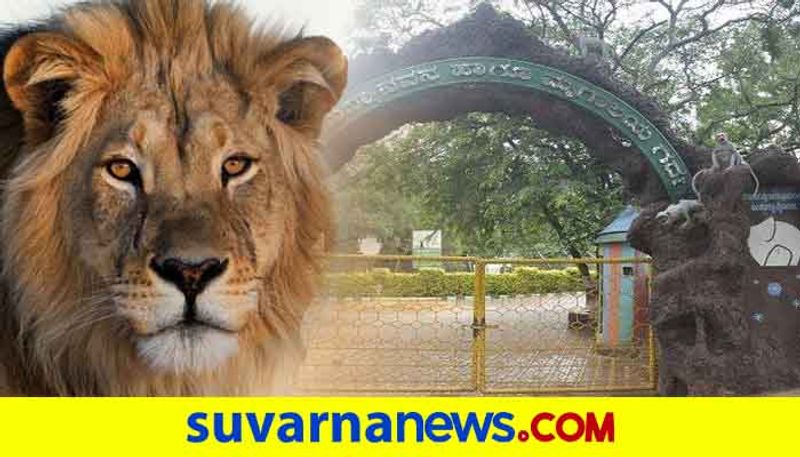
{"x": 434, "y": 282}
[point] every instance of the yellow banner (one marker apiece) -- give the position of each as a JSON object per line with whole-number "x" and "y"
{"x": 405, "y": 427}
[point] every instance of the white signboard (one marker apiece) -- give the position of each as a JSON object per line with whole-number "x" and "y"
{"x": 427, "y": 243}
{"x": 427, "y": 240}
{"x": 775, "y": 243}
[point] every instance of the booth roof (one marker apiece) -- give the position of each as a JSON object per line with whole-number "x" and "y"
{"x": 617, "y": 230}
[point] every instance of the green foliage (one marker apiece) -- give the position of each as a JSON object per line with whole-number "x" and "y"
{"x": 689, "y": 54}
{"x": 711, "y": 65}
{"x": 495, "y": 184}
{"x": 757, "y": 100}
{"x": 436, "y": 283}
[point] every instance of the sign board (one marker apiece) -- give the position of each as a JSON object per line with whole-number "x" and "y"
{"x": 427, "y": 243}
{"x": 364, "y": 98}
{"x": 773, "y": 286}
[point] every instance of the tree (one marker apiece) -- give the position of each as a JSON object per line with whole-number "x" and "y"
{"x": 671, "y": 50}
{"x": 497, "y": 186}
{"x": 371, "y": 199}
{"x": 679, "y": 52}
{"x": 757, "y": 101}
{"x": 388, "y": 24}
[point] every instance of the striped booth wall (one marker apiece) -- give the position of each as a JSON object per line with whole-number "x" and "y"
{"x": 624, "y": 297}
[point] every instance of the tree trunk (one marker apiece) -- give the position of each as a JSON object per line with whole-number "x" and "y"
{"x": 571, "y": 248}
{"x": 589, "y": 285}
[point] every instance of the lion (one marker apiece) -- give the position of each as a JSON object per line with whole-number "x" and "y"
{"x": 164, "y": 205}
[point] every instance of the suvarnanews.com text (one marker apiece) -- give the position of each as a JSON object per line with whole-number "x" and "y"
{"x": 398, "y": 427}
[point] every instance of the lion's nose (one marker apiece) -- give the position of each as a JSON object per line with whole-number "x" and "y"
{"x": 189, "y": 277}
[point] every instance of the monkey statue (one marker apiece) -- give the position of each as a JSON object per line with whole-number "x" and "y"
{"x": 681, "y": 211}
{"x": 593, "y": 48}
{"x": 724, "y": 156}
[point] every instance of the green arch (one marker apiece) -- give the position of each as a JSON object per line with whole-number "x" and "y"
{"x": 371, "y": 95}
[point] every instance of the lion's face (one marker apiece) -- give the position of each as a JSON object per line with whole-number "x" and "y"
{"x": 175, "y": 193}
{"x": 184, "y": 221}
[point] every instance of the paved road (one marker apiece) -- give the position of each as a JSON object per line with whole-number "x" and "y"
{"x": 426, "y": 344}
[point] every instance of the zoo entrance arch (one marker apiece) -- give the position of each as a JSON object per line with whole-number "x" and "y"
{"x": 409, "y": 83}
{"x": 489, "y": 62}
{"x": 439, "y": 78}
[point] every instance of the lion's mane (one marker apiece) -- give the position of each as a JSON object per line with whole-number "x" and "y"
{"x": 46, "y": 346}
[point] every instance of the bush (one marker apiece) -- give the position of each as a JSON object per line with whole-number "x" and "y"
{"x": 434, "y": 282}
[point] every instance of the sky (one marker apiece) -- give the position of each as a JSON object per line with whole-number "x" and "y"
{"x": 332, "y": 18}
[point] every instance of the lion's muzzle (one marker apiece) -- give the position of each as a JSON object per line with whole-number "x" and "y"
{"x": 191, "y": 278}
{"x": 188, "y": 311}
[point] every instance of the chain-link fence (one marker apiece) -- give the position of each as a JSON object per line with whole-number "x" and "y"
{"x": 400, "y": 324}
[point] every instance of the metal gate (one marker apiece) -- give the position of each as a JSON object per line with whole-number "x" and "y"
{"x": 470, "y": 331}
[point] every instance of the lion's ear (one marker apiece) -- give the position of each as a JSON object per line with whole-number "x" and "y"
{"x": 38, "y": 71}
{"x": 310, "y": 75}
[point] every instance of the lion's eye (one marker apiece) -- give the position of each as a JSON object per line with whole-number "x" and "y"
{"x": 123, "y": 169}
{"x": 235, "y": 166}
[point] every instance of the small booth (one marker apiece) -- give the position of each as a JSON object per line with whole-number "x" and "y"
{"x": 624, "y": 287}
